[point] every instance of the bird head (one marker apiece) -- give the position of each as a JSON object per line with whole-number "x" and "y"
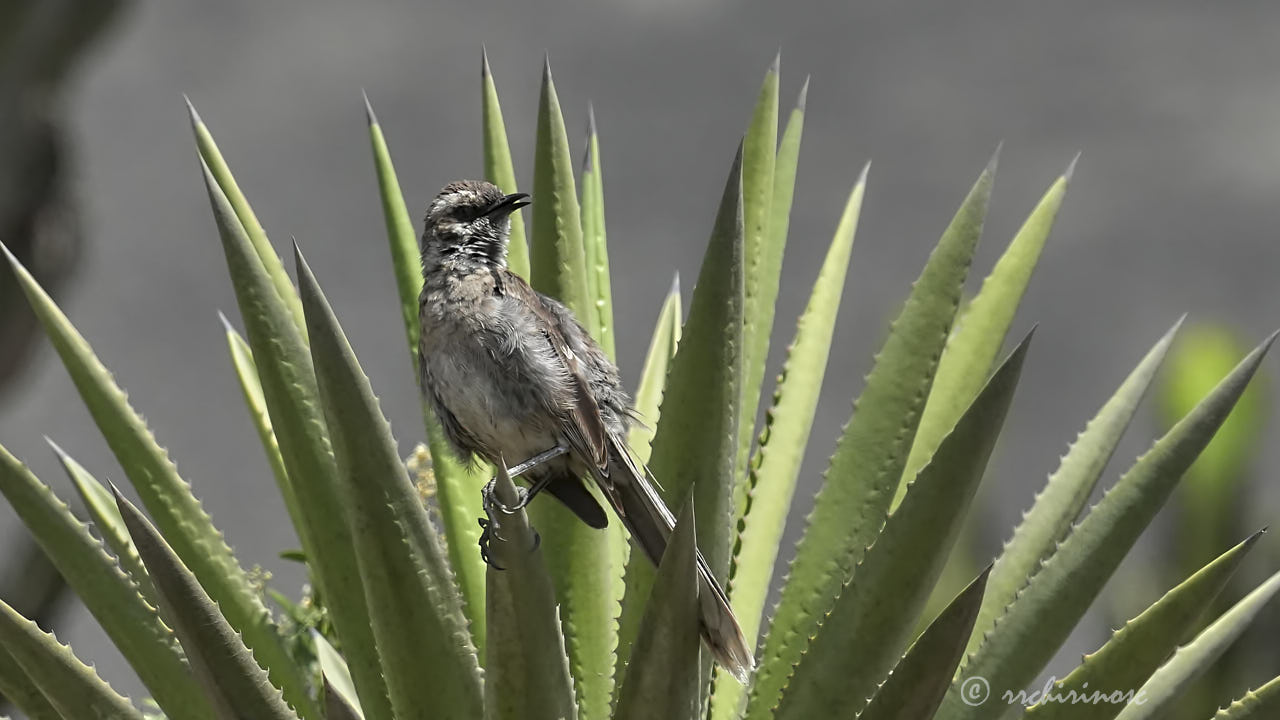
{"x": 472, "y": 219}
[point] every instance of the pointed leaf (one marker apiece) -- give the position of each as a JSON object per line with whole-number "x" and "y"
{"x": 1260, "y": 704}
{"x": 165, "y": 493}
{"x": 663, "y": 681}
{"x": 498, "y": 168}
{"x": 1121, "y": 666}
{"x": 247, "y": 373}
{"x": 72, "y": 687}
{"x": 695, "y": 445}
{"x": 1162, "y": 691}
{"x": 872, "y": 620}
{"x": 224, "y": 667}
{"x": 595, "y": 246}
{"x": 1039, "y": 619}
{"x": 339, "y": 690}
{"x": 455, "y": 483}
{"x": 110, "y": 596}
{"x": 527, "y": 670}
{"x": 271, "y": 263}
{"x": 780, "y": 450}
{"x": 106, "y": 518}
{"x": 974, "y": 345}
{"x": 423, "y": 642}
{"x": 580, "y": 561}
{"x": 917, "y": 685}
{"x": 289, "y": 388}
{"x": 873, "y": 447}
{"x": 1060, "y": 502}
{"x": 653, "y": 376}
{"x": 17, "y": 688}
{"x": 762, "y": 264}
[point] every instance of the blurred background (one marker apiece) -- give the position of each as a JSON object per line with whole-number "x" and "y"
{"x": 1175, "y": 106}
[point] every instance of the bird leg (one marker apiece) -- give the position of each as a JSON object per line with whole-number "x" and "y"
{"x": 533, "y": 462}
{"x": 491, "y": 524}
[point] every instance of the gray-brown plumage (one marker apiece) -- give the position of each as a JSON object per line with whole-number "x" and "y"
{"x": 511, "y": 374}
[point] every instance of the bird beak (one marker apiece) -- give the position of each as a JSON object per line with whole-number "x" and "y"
{"x": 507, "y": 205}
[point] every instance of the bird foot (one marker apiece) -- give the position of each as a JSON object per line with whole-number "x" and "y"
{"x": 491, "y": 524}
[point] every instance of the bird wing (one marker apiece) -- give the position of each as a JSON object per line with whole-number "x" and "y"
{"x": 585, "y": 427}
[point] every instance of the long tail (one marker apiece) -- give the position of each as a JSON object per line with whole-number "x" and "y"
{"x": 650, "y": 523}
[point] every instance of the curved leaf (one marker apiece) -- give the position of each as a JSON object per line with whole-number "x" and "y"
{"x": 1060, "y": 502}
{"x": 595, "y": 245}
{"x": 235, "y": 685}
{"x": 762, "y": 264}
{"x": 289, "y": 388}
{"x": 1039, "y": 619}
{"x": 974, "y": 344}
{"x": 456, "y": 483}
{"x": 1162, "y": 690}
{"x": 653, "y": 376}
{"x": 166, "y": 494}
{"x": 211, "y": 158}
{"x": 871, "y": 622}
{"x": 1137, "y": 649}
{"x": 527, "y": 670}
{"x": 423, "y": 642}
{"x": 872, "y": 450}
{"x": 498, "y": 168}
{"x": 70, "y": 686}
{"x": 663, "y": 681}
{"x": 695, "y": 445}
{"x": 917, "y": 685}
{"x": 106, "y": 518}
{"x": 776, "y": 464}
{"x": 1260, "y": 704}
{"x": 17, "y": 688}
{"x": 339, "y": 689}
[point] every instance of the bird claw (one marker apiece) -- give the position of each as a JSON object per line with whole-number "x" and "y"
{"x": 491, "y": 524}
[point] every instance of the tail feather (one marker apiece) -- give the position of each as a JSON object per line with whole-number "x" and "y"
{"x": 650, "y": 523}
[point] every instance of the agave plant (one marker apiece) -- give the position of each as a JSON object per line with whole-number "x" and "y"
{"x": 405, "y": 620}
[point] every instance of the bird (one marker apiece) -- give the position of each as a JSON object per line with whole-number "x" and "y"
{"x": 511, "y": 374}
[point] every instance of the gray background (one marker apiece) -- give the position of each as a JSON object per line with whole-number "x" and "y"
{"x": 1174, "y": 105}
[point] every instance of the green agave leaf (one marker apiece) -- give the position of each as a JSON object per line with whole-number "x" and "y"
{"x": 1059, "y": 504}
{"x": 653, "y": 376}
{"x": 212, "y": 158}
{"x": 338, "y": 706}
{"x": 871, "y": 622}
{"x": 580, "y": 559}
{"x": 873, "y": 448}
{"x": 762, "y": 258}
{"x": 1137, "y": 649}
{"x": 424, "y": 646}
{"x": 917, "y": 685}
{"x": 595, "y": 246}
{"x": 177, "y": 511}
{"x": 975, "y": 343}
{"x": 1260, "y": 704}
{"x": 664, "y": 678}
{"x": 292, "y": 399}
{"x": 1167, "y": 684}
{"x": 1044, "y": 612}
{"x": 17, "y": 688}
{"x": 776, "y": 464}
{"x": 339, "y": 689}
{"x": 254, "y": 399}
{"x": 70, "y": 686}
{"x": 695, "y": 444}
{"x": 106, "y": 591}
{"x": 235, "y": 685}
{"x": 106, "y": 518}
{"x": 498, "y": 168}
{"x": 456, "y": 483}
{"x": 527, "y": 670}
